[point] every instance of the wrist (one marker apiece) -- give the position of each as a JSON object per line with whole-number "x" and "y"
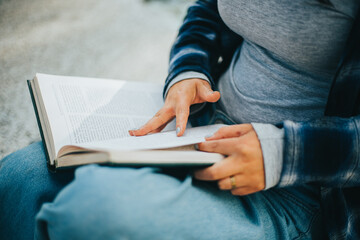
{"x": 185, "y": 76}
{"x": 272, "y": 145}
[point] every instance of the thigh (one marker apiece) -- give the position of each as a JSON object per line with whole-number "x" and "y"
{"x": 145, "y": 203}
{"x": 25, "y": 184}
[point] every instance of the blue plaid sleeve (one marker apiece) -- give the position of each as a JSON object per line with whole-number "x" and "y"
{"x": 323, "y": 151}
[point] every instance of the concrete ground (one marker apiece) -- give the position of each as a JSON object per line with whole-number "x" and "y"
{"x": 121, "y": 39}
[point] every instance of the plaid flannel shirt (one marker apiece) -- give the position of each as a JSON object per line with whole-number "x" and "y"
{"x": 323, "y": 151}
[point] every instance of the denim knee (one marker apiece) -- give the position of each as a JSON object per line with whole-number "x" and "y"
{"x": 21, "y": 173}
{"x": 25, "y": 171}
{"x": 18, "y": 165}
{"x": 98, "y": 204}
{"x": 25, "y": 184}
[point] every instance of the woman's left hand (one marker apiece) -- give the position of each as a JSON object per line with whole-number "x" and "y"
{"x": 242, "y": 171}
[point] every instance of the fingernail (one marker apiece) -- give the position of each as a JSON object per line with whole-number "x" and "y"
{"x": 178, "y": 130}
{"x": 196, "y": 147}
{"x": 209, "y": 135}
{"x": 131, "y": 132}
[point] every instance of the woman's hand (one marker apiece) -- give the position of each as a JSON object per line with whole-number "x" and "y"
{"x": 177, "y": 104}
{"x": 242, "y": 171}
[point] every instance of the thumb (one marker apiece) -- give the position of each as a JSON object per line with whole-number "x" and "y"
{"x": 206, "y": 94}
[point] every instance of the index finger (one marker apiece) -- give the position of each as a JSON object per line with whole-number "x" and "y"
{"x": 225, "y": 168}
{"x": 162, "y": 117}
{"x": 182, "y": 115}
{"x": 226, "y": 146}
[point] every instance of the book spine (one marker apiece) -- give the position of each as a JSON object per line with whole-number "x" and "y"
{"x": 50, "y": 167}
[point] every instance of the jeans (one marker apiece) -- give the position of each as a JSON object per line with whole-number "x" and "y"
{"x": 103, "y": 202}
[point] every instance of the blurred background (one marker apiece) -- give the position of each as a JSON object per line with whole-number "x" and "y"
{"x": 119, "y": 39}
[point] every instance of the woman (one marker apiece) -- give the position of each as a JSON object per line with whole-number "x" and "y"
{"x": 270, "y": 61}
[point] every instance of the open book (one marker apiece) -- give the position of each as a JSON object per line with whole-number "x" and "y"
{"x": 86, "y": 120}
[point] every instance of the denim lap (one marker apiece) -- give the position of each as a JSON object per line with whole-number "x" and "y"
{"x": 125, "y": 203}
{"x": 25, "y": 184}
{"x": 145, "y": 203}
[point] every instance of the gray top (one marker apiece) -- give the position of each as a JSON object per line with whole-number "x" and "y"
{"x": 283, "y": 69}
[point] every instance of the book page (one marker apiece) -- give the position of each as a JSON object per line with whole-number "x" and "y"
{"x": 163, "y": 140}
{"x": 87, "y": 110}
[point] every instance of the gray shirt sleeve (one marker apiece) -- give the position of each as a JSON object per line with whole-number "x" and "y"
{"x": 272, "y": 145}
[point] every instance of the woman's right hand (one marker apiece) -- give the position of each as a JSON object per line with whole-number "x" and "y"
{"x": 177, "y": 104}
